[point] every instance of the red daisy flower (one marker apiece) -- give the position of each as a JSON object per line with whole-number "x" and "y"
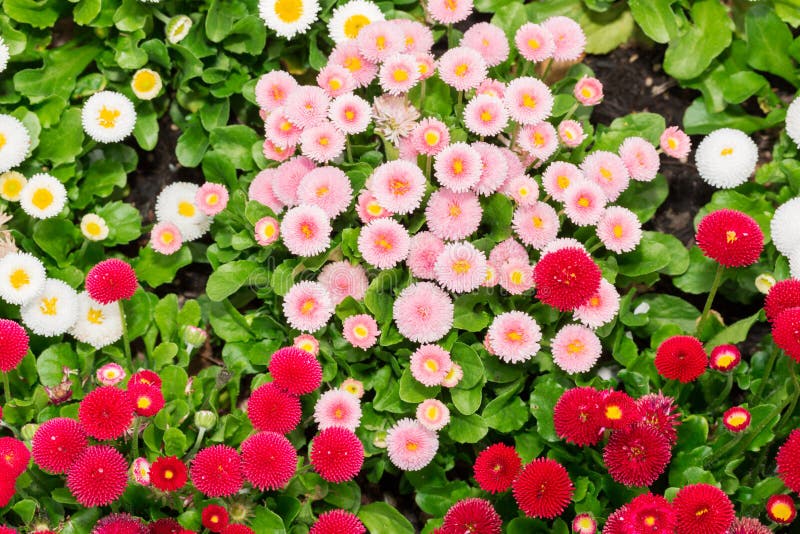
{"x": 15, "y": 343}
{"x": 725, "y": 358}
{"x": 14, "y": 456}
{"x": 168, "y": 473}
{"x": 736, "y": 419}
{"x": 7, "y": 490}
{"x": 474, "y": 516}
{"x": 98, "y": 476}
{"x": 269, "y": 460}
{"x": 702, "y": 509}
{"x": 106, "y": 413}
{"x": 496, "y": 467}
{"x": 111, "y": 280}
{"x": 578, "y": 417}
{"x": 217, "y": 471}
{"x": 238, "y": 529}
{"x": 645, "y": 514}
{"x": 296, "y": 371}
{"x": 165, "y": 525}
{"x": 120, "y": 524}
{"x": 660, "y": 412}
{"x": 618, "y": 409}
{"x": 584, "y": 523}
{"x": 730, "y": 237}
{"x": 566, "y": 278}
{"x": 7, "y": 530}
{"x": 783, "y": 295}
{"x": 786, "y": 332}
{"x": 271, "y": 409}
{"x": 681, "y": 358}
{"x": 748, "y": 525}
{"x": 636, "y": 455}
{"x": 146, "y": 400}
{"x": 788, "y": 459}
{"x": 214, "y": 517}
{"x": 781, "y": 509}
{"x": 337, "y": 454}
{"x": 338, "y": 522}
{"x": 56, "y": 444}
{"x": 543, "y": 488}
{"x": 145, "y": 377}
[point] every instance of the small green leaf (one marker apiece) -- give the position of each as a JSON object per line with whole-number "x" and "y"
{"x": 467, "y": 428}
{"x": 380, "y": 518}
{"x": 175, "y": 442}
{"x": 229, "y": 278}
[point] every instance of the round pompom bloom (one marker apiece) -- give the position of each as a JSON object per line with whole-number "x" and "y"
{"x": 645, "y": 513}
{"x": 453, "y": 216}
{"x": 584, "y": 203}
{"x": 349, "y": 55}
{"x": 306, "y": 106}
{"x": 568, "y": 37}
{"x": 423, "y": 250}
{"x": 110, "y": 281}
{"x": 496, "y": 467}
{"x": 337, "y": 454}
{"x": 423, "y": 312}
{"x": 322, "y": 143}
{"x": 307, "y": 306}
{"x": 788, "y": 460}
{"x": 237, "y": 529}
{"x": 360, "y": 331}
{"x": 534, "y": 42}
{"x": 216, "y": 471}
{"x": 343, "y": 279}
{"x": 383, "y": 243}
{"x": 15, "y": 342}
{"x": 16, "y": 143}
{"x": 147, "y": 400}
{"x": 659, "y": 411}
{"x": 410, "y": 445}
{"x": 725, "y": 358}
{"x": 398, "y": 186}
{"x": 336, "y": 80}
{"x": 726, "y": 158}
{"x": 675, "y": 143}
{"x": 260, "y": 190}
{"x": 640, "y": 158}
{"x": 214, "y": 517}
{"x": 337, "y": 407}
{"x": 168, "y": 473}
{"x": 578, "y": 416}
{"x": 516, "y": 277}
{"x": 286, "y": 178}
{"x": 489, "y": 41}
{"x": 566, "y": 278}
{"x": 543, "y": 488}
{"x": 146, "y": 377}
{"x": 347, "y": 20}
{"x": 618, "y": 410}
{"x": 11, "y": 184}
{"x": 730, "y": 237}
{"x": 269, "y": 460}
{"x": 307, "y": 342}
{"x": 280, "y": 130}
{"x": 619, "y": 229}
{"x": 576, "y": 348}
{"x": 326, "y": 187}
{"x": 338, "y": 522}
{"x": 98, "y": 476}
{"x": 267, "y": 231}
{"x": 120, "y": 524}
{"x": 736, "y": 419}
{"x": 14, "y": 456}
{"x": 458, "y": 167}
{"x": 681, "y": 358}
{"x": 295, "y": 371}
{"x": 784, "y": 220}
{"x": 212, "y": 198}
{"x": 433, "y": 414}
{"x": 495, "y": 168}
{"x": 636, "y": 455}
{"x": 462, "y": 68}
{"x": 22, "y": 277}
{"x": 570, "y": 133}
{"x": 449, "y": 11}
{"x": 271, "y": 409}
{"x": 558, "y": 176}
{"x": 140, "y": 469}
{"x": 781, "y": 509}
{"x": 702, "y": 509}
{"x": 472, "y": 515}
{"x": 514, "y": 336}
{"x": 607, "y": 170}
{"x": 485, "y": 115}
{"x": 166, "y": 238}
{"x": 368, "y": 208}
{"x": 748, "y": 525}
{"x": 379, "y": 40}
{"x": 588, "y": 91}
{"x": 8, "y": 489}
{"x": 539, "y": 140}
{"x": 460, "y": 267}
{"x": 398, "y": 74}
{"x": 273, "y": 88}
{"x": 528, "y": 100}
{"x": 350, "y": 113}
{"x": 430, "y": 364}
{"x": 57, "y": 443}
{"x": 108, "y": 116}
{"x": 601, "y": 308}
{"x": 106, "y": 413}
{"x": 417, "y": 37}
{"x": 782, "y": 296}
{"x": 43, "y": 196}
{"x": 430, "y": 136}
{"x": 584, "y": 523}
{"x": 288, "y": 19}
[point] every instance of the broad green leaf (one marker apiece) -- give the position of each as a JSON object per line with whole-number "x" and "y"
{"x": 124, "y": 222}
{"x": 380, "y": 518}
{"x": 467, "y": 428}
{"x": 546, "y": 393}
{"x": 470, "y": 363}
{"x": 413, "y": 391}
{"x": 768, "y": 38}
{"x": 156, "y": 269}
{"x": 656, "y": 18}
{"x": 689, "y": 54}
{"x": 37, "y": 13}
{"x": 57, "y": 76}
{"x": 51, "y": 362}
{"x": 63, "y": 142}
{"x": 229, "y": 278}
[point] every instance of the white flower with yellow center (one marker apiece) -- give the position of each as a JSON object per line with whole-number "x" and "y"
{"x": 14, "y": 142}
{"x": 178, "y": 28}
{"x": 726, "y": 158}
{"x": 347, "y": 20}
{"x": 94, "y": 227}
{"x": 53, "y": 311}
{"x": 97, "y": 324}
{"x": 288, "y": 18}
{"x": 146, "y": 84}
{"x": 22, "y": 277}
{"x": 11, "y": 184}
{"x": 43, "y": 196}
{"x": 176, "y": 204}
{"x": 108, "y": 117}
{"x": 4, "y": 55}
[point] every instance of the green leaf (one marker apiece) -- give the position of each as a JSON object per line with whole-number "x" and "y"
{"x": 86, "y": 11}
{"x": 650, "y": 256}
{"x": 57, "y": 237}
{"x": 498, "y": 211}
{"x": 192, "y": 145}
{"x": 283, "y": 277}
{"x": 380, "y": 518}
{"x": 175, "y": 443}
{"x": 510, "y": 18}
{"x": 666, "y": 310}
{"x": 229, "y": 278}
{"x": 506, "y": 413}
{"x": 469, "y": 314}
{"x": 699, "y": 120}
{"x": 58, "y": 73}
{"x": 51, "y": 363}
{"x": 63, "y": 142}
{"x": 130, "y": 16}
{"x": 467, "y": 428}
{"x": 647, "y": 125}
{"x": 37, "y": 13}
{"x": 467, "y": 401}
{"x": 655, "y": 18}
{"x": 221, "y": 17}
{"x": 235, "y": 142}
{"x": 735, "y": 333}
{"x": 267, "y": 521}
{"x": 124, "y": 222}
{"x": 470, "y": 363}
{"x": 546, "y": 393}
{"x": 156, "y": 269}
{"x": 25, "y": 509}
{"x": 768, "y": 38}
{"x": 146, "y": 129}
{"x": 691, "y": 53}
{"x": 644, "y": 198}
{"x": 413, "y": 391}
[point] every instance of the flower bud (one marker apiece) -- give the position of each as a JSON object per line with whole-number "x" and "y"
{"x": 764, "y": 282}
{"x": 194, "y": 336}
{"x": 178, "y": 28}
{"x": 28, "y": 431}
{"x": 205, "y": 419}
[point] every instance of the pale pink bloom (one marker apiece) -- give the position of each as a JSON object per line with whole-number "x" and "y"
{"x": 398, "y": 186}
{"x": 417, "y": 37}
{"x": 326, "y": 187}
{"x": 508, "y": 250}
{"x": 513, "y": 164}
{"x": 384, "y": 243}
{"x": 307, "y": 342}
{"x": 491, "y": 87}
{"x": 307, "y": 306}
{"x": 489, "y": 41}
{"x": 424, "y": 249}
{"x": 287, "y": 177}
{"x": 369, "y": 209}
{"x": 640, "y": 158}
{"x": 273, "y": 88}
{"x": 306, "y": 230}
{"x": 453, "y": 376}
{"x": 494, "y": 171}
{"x": 558, "y": 176}
{"x": 280, "y": 130}
{"x": 141, "y": 471}
{"x": 406, "y": 150}
{"x": 536, "y": 225}
{"x": 166, "y": 238}
{"x": 449, "y": 11}
{"x": 458, "y": 167}
{"x": 322, "y": 143}
{"x": 430, "y": 136}
{"x": 539, "y": 140}
{"x": 307, "y": 106}
{"x": 528, "y": 100}
{"x": 576, "y": 348}
{"x": 462, "y": 68}
{"x": 260, "y": 190}
{"x": 429, "y": 364}
{"x": 110, "y": 374}
{"x": 674, "y": 142}
{"x": 460, "y": 267}
{"x": 588, "y": 91}
{"x": 348, "y": 55}
{"x": 398, "y": 74}
{"x": 343, "y": 279}
{"x": 350, "y": 113}
{"x": 534, "y": 42}
{"x": 275, "y": 152}
{"x": 514, "y": 336}
{"x": 337, "y": 408}
{"x": 433, "y": 414}
{"x": 451, "y": 215}
{"x": 619, "y": 229}
{"x": 562, "y": 242}
{"x": 426, "y": 65}
{"x": 394, "y": 117}
{"x": 335, "y": 80}
{"x": 571, "y": 133}
{"x": 361, "y": 331}
{"x": 491, "y": 276}
{"x": 584, "y": 203}
{"x": 410, "y": 445}
{"x": 379, "y": 40}
{"x": 267, "y": 231}
{"x": 353, "y": 387}
{"x": 601, "y": 308}
{"x": 568, "y": 37}
{"x": 423, "y": 312}
{"x": 607, "y": 170}
{"x": 211, "y": 198}
{"x": 516, "y": 277}
{"x": 485, "y": 115}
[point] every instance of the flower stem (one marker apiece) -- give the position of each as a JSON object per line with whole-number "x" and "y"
{"x": 421, "y": 94}
{"x": 160, "y": 16}
{"x": 712, "y": 292}
{"x": 200, "y": 435}
{"x": 137, "y": 423}
{"x": 524, "y": 71}
{"x": 428, "y": 163}
{"x": 126, "y": 343}
{"x": 571, "y": 111}
{"x": 449, "y": 36}
{"x": 547, "y": 70}
{"x": 726, "y": 391}
{"x": 6, "y": 387}
{"x": 349, "y": 150}
{"x": 767, "y": 371}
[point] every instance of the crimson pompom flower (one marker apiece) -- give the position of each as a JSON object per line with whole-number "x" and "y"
{"x": 730, "y": 237}
{"x": 110, "y": 281}
{"x": 214, "y": 517}
{"x": 145, "y": 377}
{"x": 237, "y": 529}
{"x": 681, "y": 358}
{"x": 15, "y": 343}
{"x": 646, "y": 513}
{"x": 577, "y": 416}
{"x": 168, "y": 473}
{"x": 338, "y": 522}
{"x": 106, "y": 413}
{"x": 782, "y": 296}
{"x": 496, "y": 467}
{"x": 337, "y": 454}
{"x": 543, "y": 488}
{"x": 566, "y": 278}
{"x": 660, "y": 412}
{"x": 618, "y": 409}
{"x": 702, "y": 509}
{"x": 269, "y": 460}
{"x": 271, "y": 409}
{"x": 14, "y": 457}
{"x": 788, "y": 459}
{"x": 475, "y": 516}
{"x": 7, "y": 490}
{"x": 736, "y": 419}
{"x": 217, "y": 471}
{"x": 120, "y": 524}
{"x": 165, "y": 525}
{"x": 781, "y": 509}
{"x": 56, "y": 444}
{"x": 7, "y": 530}
{"x": 786, "y": 332}
{"x": 296, "y": 371}
{"x": 725, "y": 358}
{"x": 147, "y": 400}
{"x": 98, "y": 476}
{"x": 636, "y": 455}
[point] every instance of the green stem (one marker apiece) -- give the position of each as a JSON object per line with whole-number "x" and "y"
{"x": 160, "y": 16}
{"x": 460, "y": 99}
{"x": 572, "y": 110}
{"x": 707, "y": 308}
{"x": 793, "y": 405}
{"x": 449, "y": 36}
{"x": 137, "y": 423}
{"x": 196, "y": 447}
{"x": 514, "y": 136}
{"x": 6, "y": 387}
{"x": 126, "y": 343}
{"x": 547, "y": 70}
{"x": 428, "y": 163}
{"x": 726, "y": 391}
{"x": 349, "y": 150}
{"x": 767, "y": 371}
{"x": 421, "y": 94}
{"x": 524, "y": 71}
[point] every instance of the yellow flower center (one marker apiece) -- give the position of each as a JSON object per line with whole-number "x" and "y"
{"x": 335, "y": 84}
{"x": 349, "y": 114}
{"x": 724, "y": 360}
{"x": 781, "y": 511}
{"x": 322, "y": 191}
{"x": 307, "y": 346}
{"x": 617, "y": 230}
{"x": 186, "y": 209}
{"x": 486, "y": 116}
{"x": 93, "y": 229}
{"x": 533, "y": 44}
{"x": 212, "y": 199}
{"x": 338, "y": 414}
{"x": 167, "y": 237}
{"x": 458, "y": 166}
{"x": 730, "y": 236}
{"x": 575, "y": 347}
{"x": 42, "y": 198}
{"x": 613, "y": 413}
{"x": 360, "y": 331}
{"x": 461, "y": 70}
{"x": 95, "y": 316}
{"x": 411, "y": 446}
{"x": 514, "y": 335}
{"x": 308, "y": 306}
{"x": 324, "y": 141}
{"x": 431, "y": 137}
{"x": 285, "y": 126}
{"x": 107, "y": 118}
{"x": 353, "y": 25}
{"x": 583, "y": 202}
{"x": 12, "y": 186}
{"x": 649, "y": 520}
{"x": 605, "y": 173}
{"x": 289, "y": 10}
{"x": 528, "y": 101}
{"x": 432, "y": 413}
{"x": 538, "y": 139}
{"x": 537, "y": 221}
{"x": 144, "y": 81}
{"x": 737, "y": 418}
{"x": 672, "y": 143}
{"x": 400, "y": 75}
{"x": 2, "y": 140}
{"x": 384, "y": 244}
{"x": 374, "y": 209}
{"x": 399, "y": 186}
{"x": 562, "y": 182}
{"x": 48, "y": 306}
{"x": 143, "y": 403}
{"x": 594, "y": 302}
{"x": 19, "y": 278}
{"x": 451, "y": 4}
{"x": 353, "y": 63}
{"x": 701, "y": 512}
{"x": 455, "y": 210}
{"x": 352, "y": 389}
{"x": 307, "y": 231}
{"x": 461, "y": 266}
{"x": 726, "y": 151}
{"x": 516, "y": 277}
{"x": 431, "y": 365}
{"x": 586, "y": 92}
{"x": 169, "y": 475}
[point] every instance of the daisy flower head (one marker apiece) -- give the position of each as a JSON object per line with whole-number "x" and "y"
{"x": 335, "y": 80}
{"x": 337, "y": 407}
{"x": 22, "y": 277}
{"x": 410, "y": 445}
{"x": 681, "y": 358}
{"x": 307, "y": 306}
{"x": 568, "y": 38}
{"x": 496, "y": 467}
{"x": 430, "y": 364}
{"x": 380, "y": 40}
{"x": 336, "y": 522}
{"x": 119, "y": 523}
{"x": 461, "y": 67}
{"x": 578, "y": 416}
{"x": 98, "y": 325}
{"x": 584, "y": 523}
{"x": 361, "y": 331}
{"x": 178, "y": 28}
{"x": 349, "y": 19}
{"x": 423, "y": 250}
{"x": 726, "y": 158}
{"x": 781, "y": 509}
{"x": 485, "y": 115}
{"x": 337, "y": 454}
{"x": 287, "y": 178}
{"x": 270, "y": 409}
{"x": 273, "y": 88}
{"x": 306, "y": 230}
{"x": 618, "y": 410}
{"x": 472, "y": 515}
{"x": 398, "y": 186}
{"x": 98, "y": 476}
{"x": 108, "y": 117}
{"x": 326, "y": 187}
{"x": 322, "y": 143}
{"x": 176, "y": 204}
{"x": 636, "y": 455}
{"x": 94, "y": 227}
{"x": 645, "y": 513}
{"x": 536, "y": 225}
{"x": 607, "y": 170}
{"x": 308, "y": 343}
{"x": 426, "y": 65}
{"x": 11, "y": 185}
{"x": 57, "y": 443}
{"x": 353, "y": 387}
{"x": 216, "y": 471}
{"x": 267, "y": 231}
{"x": 495, "y": 168}
{"x": 111, "y": 280}
{"x": 725, "y": 358}
{"x": 788, "y": 460}
{"x": 576, "y": 348}
{"x": 106, "y": 413}
{"x": 730, "y": 237}
{"x": 279, "y": 130}
{"x": 516, "y": 277}
{"x": 453, "y": 376}
{"x": 558, "y": 176}
{"x": 423, "y": 312}
{"x": 295, "y": 371}
{"x": 702, "y": 508}
{"x": 784, "y": 220}
{"x": 601, "y": 308}
{"x": 147, "y": 400}
{"x": 736, "y": 419}
{"x": 539, "y": 140}
{"x": 398, "y": 74}
{"x": 588, "y": 91}
{"x": 782, "y": 296}
{"x": 566, "y": 278}
{"x": 543, "y": 488}
{"x": 384, "y": 243}
{"x": 433, "y": 414}
{"x": 307, "y": 105}
{"x": 14, "y": 456}
{"x": 269, "y": 461}
{"x": 675, "y": 143}
{"x": 343, "y": 279}
{"x": 350, "y": 113}
{"x": 288, "y": 18}
{"x": 395, "y": 118}
{"x": 458, "y": 167}
{"x": 430, "y": 136}
{"x": 619, "y": 229}
{"x": 260, "y": 190}
{"x": 165, "y": 238}
{"x": 570, "y": 133}
{"x": 534, "y": 42}
{"x": 406, "y": 150}
{"x": 15, "y": 143}
{"x": 43, "y": 196}
{"x": 449, "y": 11}
{"x": 211, "y": 198}
{"x": 146, "y": 84}
{"x": 514, "y": 336}
{"x": 417, "y": 37}
{"x": 528, "y": 100}
{"x": 168, "y": 473}
{"x": 507, "y": 251}
{"x": 213, "y": 517}
{"x": 110, "y": 374}
{"x": 53, "y": 311}
{"x": 460, "y": 267}
{"x": 640, "y": 158}
{"x": 489, "y": 41}
{"x": 369, "y": 209}
{"x": 584, "y": 203}
{"x": 348, "y": 55}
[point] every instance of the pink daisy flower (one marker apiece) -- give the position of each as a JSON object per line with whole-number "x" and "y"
{"x": 460, "y": 267}
{"x": 539, "y": 140}
{"x": 261, "y": 191}
{"x": 516, "y": 277}
{"x": 274, "y": 152}
{"x": 514, "y": 336}
{"x": 453, "y": 376}
{"x": 306, "y": 342}
{"x": 601, "y": 308}
{"x": 398, "y": 186}
{"x": 558, "y": 176}
{"x": 410, "y": 445}
{"x": 328, "y": 188}
{"x": 489, "y": 41}
{"x": 608, "y": 171}
{"x": 528, "y": 100}
{"x": 422, "y": 253}
{"x": 570, "y": 132}
{"x": 423, "y": 312}
{"x": 287, "y": 177}
{"x": 451, "y": 215}
{"x": 576, "y": 348}
{"x": 361, "y": 331}
{"x": 335, "y": 80}
{"x": 619, "y": 229}
{"x": 369, "y": 209}
{"x": 211, "y": 198}
{"x": 588, "y": 91}
{"x": 384, "y": 243}
{"x": 462, "y": 68}
{"x": 491, "y": 87}
{"x": 449, "y": 11}
{"x": 322, "y": 143}
{"x": 568, "y": 37}
{"x": 337, "y": 408}
{"x": 350, "y": 113}
{"x": 380, "y": 40}
{"x": 165, "y": 238}
{"x": 513, "y": 163}
{"x": 430, "y": 136}
{"x": 307, "y": 306}
{"x": 417, "y": 37}
{"x": 675, "y": 143}
{"x": 433, "y": 414}
{"x": 348, "y": 55}
{"x": 398, "y": 74}
{"x": 426, "y": 65}
{"x": 280, "y": 130}
{"x": 640, "y": 158}
{"x": 306, "y": 106}
{"x": 343, "y": 279}
{"x": 458, "y": 167}
{"x": 523, "y": 189}
{"x": 536, "y": 225}
{"x": 306, "y": 230}
{"x": 485, "y": 115}
{"x": 506, "y": 251}
{"x": 273, "y": 88}
{"x": 562, "y": 242}
{"x": 584, "y": 203}
{"x": 267, "y": 231}
{"x": 429, "y": 364}
{"x": 534, "y": 42}
{"x": 494, "y": 171}
{"x": 407, "y": 152}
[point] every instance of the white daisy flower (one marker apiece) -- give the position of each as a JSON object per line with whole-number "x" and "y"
{"x": 793, "y": 121}
{"x": 108, "y": 117}
{"x": 11, "y": 184}
{"x": 178, "y": 28}
{"x": 5, "y": 54}
{"x": 43, "y": 196}
{"x": 94, "y": 227}
{"x": 146, "y": 84}
{"x": 176, "y": 204}
{"x": 794, "y": 264}
{"x": 14, "y": 142}
{"x": 97, "y": 324}
{"x": 288, "y": 18}
{"x": 726, "y": 158}
{"x": 53, "y": 311}
{"x": 347, "y": 20}
{"x": 22, "y": 277}
{"x": 783, "y": 227}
